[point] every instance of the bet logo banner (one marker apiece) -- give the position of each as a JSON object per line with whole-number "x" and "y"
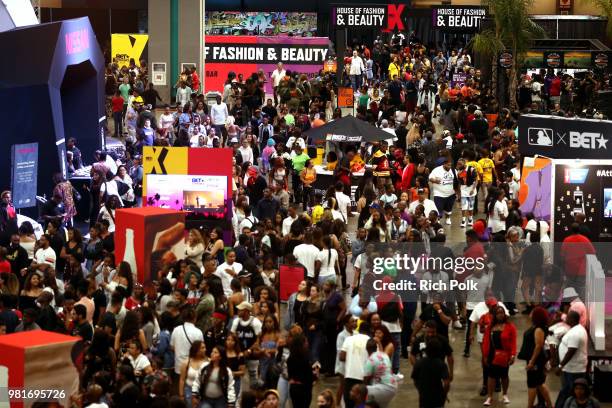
{"x": 127, "y": 46}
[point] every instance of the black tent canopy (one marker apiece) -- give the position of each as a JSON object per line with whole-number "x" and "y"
{"x": 347, "y": 129}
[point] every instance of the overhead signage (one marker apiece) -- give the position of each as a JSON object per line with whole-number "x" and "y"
{"x": 564, "y": 138}
{"x": 387, "y": 17}
{"x": 456, "y": 18}
{"x": 125, "y": 47}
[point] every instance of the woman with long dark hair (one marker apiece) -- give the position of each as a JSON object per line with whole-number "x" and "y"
{"x": 191, "y": 369}
{"x": 98, "y": 177}
{"x": 100, "y": 356}
{"x": 334, "y": 309}
{"x": 300, "y": 372}
{"x": 312, "y": 321}
{"x": 536, "y": 356}
{"x": 214, "y": 386}
{"x": 130, "y": 331}
{"x": 499, "y": 352}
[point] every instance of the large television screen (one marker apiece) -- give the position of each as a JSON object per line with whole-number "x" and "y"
{"x": 203, "y": 195}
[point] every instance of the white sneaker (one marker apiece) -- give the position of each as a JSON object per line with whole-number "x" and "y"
{"x": 457, "y": 324}
{"x": 470, "y": 221}
{"x": 487, "y": 403}
{"x": 506, "y": 400}
{"x": 448, "y": 221}
{"x": 463, "y": 224}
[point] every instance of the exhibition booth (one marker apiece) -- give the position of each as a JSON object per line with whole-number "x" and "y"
{"x": 52, "y": 90}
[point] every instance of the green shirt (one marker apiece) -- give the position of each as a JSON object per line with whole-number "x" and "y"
{"x": 299, "y": 161}
{"x": 124, "y": 89}
{"x": 289, "y": 119}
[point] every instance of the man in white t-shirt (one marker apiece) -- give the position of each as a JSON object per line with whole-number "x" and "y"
{"x": 428, "y": 204}
{"x": 573, "y": 356}
{"x": 292, "y": 217}
{"x": 343, "y": 200}
{"x": 306, "y": 254}
{"x": 354, "y": 354}
{"x": 384, "y": 125}
{"x": 182, "y": 338}
{"x": 443, "y": 185}
{"x": 218, "y": 115}
{"x": 45, "y": 256}
{"x": 228, "y": 270}
{"x": 277, "y": 75}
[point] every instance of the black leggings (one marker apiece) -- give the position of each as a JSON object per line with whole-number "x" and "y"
{"x": 301, "y": 395}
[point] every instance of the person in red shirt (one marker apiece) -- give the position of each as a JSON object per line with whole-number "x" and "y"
{"x": 117, "y": 106}
{"x": 499, "y": 352}
{"x": 407, "y": 174}
{"x": 5, "y": 266}
{"x": 195, "y": 80}
{"x": 555, "y": 90}
{"x": 574, "y": 250}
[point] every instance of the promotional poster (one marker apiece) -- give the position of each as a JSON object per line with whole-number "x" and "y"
{"x": 127, "y": 46}
{"x": 248, "y": 54}
{"x": 583, "y": 189}
{"x": 272, "y": 23}
{"x": 25, "y": 174}
{"x": 535, "y": 188}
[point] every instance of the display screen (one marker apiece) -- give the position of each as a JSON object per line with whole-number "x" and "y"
{"x": 205, "y": 195}
{"x": 607, "y": 192}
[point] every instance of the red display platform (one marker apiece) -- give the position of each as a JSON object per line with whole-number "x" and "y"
{"x": 144, "y": 237}
{"x": 39, "y": 360}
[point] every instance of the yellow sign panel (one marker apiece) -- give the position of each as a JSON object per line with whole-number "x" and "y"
{"x": 127, "y": 46}
{"x": 163, "y": 160}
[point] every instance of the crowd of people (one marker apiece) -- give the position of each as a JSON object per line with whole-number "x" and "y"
{"x": 211, "y": 331}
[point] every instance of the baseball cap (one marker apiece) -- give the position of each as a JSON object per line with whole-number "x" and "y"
{"x": 245, "y": 305}
{"x": 420, "y": 191}
{"x": 234, "y": 140}
{"x": 459, "y": 136}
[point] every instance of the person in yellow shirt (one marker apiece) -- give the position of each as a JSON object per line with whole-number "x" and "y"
{"x": 317, "y": 209}
{"x": 357, "y": 163}
{"x": 332, "y": 161}
{"x": 487, "y": 167}
{"x": 394, "y": 68}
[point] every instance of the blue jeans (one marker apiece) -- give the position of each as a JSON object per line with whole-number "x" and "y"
{"x": 395, "y": 363}
{"x": 283, "y": 391}
{"x": 117, "y": 118}
{"x": 314, "y": 344}
{"x": 213, "y": 403}
{"x": 188, "y": 393}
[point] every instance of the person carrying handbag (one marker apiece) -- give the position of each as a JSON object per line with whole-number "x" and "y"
{"x": 498, "y": 353}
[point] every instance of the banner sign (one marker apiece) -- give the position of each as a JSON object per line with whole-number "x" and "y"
{"x": 459, "y": 19}
{"x": 564, "y": 138}
{"x": 346, "y": 97}
{"x": 330, "y": 137}
{"x": 298, "y": 24}
{"x": 459, "y": 78}
{"x": 128, "y": 46}
{"x": 387, "y": 17}
{"x": 562, "y": 59}
{"x": 24, "y": 176}
{"x": 248, "y": 54}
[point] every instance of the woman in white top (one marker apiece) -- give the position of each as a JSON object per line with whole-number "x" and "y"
{"x": 191, "y": 370}
{"x": 498, "y": 211}
{"x": 140, "y": 362}
{"x": 107, "y": 212}
{"x": 124, "y": 177}
{"x": 27, "y": 238}
{"x": 166, "y": 122}
{"x": 246, "y": 151}
{"x": 326, "y": 263}
{"x": 195, "y": 247}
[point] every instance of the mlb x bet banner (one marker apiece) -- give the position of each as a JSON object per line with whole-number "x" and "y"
{"x": 564, "y": 138}
{"x": 248, "y": 54}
